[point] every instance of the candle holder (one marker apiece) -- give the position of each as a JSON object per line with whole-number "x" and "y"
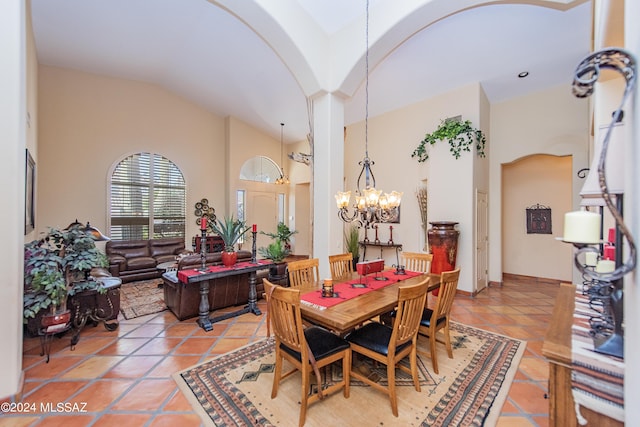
{"x": 254, "y": 259}
{"x": 605, "y": 286}
{"x": 203, "y": 251}
{"x": 377, "y": 241}
{"x": 327, "y": 288}
{"x": 390, "y": 242}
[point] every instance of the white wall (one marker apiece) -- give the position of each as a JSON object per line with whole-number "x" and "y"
{"x": 549, "y": 122}
{"x": 13, "y": 107}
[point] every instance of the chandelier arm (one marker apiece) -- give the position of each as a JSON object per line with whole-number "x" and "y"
{"x": 586, "y": 75}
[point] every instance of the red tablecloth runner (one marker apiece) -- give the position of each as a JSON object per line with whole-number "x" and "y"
{"x": 183, "y": 275}
{"x": 353, "y": 288}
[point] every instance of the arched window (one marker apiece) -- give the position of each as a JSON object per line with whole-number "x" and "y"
{"x": 147, "y": 198}
{"x": 261, "y": 169}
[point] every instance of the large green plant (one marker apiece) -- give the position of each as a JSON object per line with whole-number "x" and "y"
{"x": 461, "y": 136}
{"x": 230, "y": 231}
{"x": 275, "y": 251}
{"x": 57, "y": 266}
{"x": 283, "y": 234}
{"x": 351, "y": 238}
{"x": 280, "y": 248}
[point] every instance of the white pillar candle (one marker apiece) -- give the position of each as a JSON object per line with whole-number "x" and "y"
{"x": 605, "y": 266}
{"x": 591, "y": 259}
{"x": 582, "y": 227}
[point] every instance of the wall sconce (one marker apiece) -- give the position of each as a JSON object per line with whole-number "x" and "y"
{"x": 583, "y": 228}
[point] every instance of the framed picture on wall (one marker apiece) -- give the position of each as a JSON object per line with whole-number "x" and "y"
{"x": 29, "y": 188}
{"x": 538, "y": 219}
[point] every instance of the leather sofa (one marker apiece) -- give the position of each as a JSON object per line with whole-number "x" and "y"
{"x": 184, "y": 299}
{"x": 138, "y": 259}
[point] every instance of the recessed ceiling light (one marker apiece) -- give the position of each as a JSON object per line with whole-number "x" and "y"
{"x": 523, "y": 74}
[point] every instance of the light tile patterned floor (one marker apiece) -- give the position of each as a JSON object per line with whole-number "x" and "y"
{"x": 124, "y": 376}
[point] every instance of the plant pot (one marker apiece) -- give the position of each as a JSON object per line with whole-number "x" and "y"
{"x": 229, "y": 258}
{"x": 355, "y": 262}
{"x": 51, "y": 321}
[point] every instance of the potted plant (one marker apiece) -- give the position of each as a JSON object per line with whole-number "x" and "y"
{"x": 460, "y": 135}
{"x": 351, "y": 238}
{"x": 230, "y": 231}
{"x": 275, "y": 251}
{"x": 283, "y": 234}
{"x": 56, "y": 267}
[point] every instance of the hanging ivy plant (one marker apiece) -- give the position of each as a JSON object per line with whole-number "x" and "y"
{"x": 460, "y": 135}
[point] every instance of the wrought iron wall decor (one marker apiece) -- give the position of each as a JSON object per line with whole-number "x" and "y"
{"x": 202, "y": 209}
{"x": 538, "y": 219}
{"x": 603, "y": 282}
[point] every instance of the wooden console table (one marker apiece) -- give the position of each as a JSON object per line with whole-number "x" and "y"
{"x": 557, "y": 349}
{"x": 203, "y": 277}
{"x": 382, "y": 246}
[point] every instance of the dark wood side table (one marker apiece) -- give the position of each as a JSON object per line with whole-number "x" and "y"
{"x": 202, "y": 278}
{"x": 557, "y": 349}
{"x": 382, "y": 246}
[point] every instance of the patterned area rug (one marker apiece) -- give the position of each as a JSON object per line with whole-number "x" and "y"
{"x": 235, "y": 388}
{"x": 141, "y": 298}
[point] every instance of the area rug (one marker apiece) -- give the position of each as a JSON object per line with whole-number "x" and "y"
{"x": 141, "y": 298}
{"x": 470, "y": 389}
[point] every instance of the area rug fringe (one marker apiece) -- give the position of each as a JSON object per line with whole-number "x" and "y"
{"x": 470, "y": 390}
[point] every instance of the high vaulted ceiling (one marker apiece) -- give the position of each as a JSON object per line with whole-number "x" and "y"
{"x": 259, "y": 60}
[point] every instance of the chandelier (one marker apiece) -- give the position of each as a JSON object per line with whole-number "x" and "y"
{"x": 370, "y": 205}
{"x": 283, "y": 178}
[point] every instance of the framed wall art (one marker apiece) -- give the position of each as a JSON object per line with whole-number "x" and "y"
{"x": 29, "y": 188}
{"x": 538, "y": 219}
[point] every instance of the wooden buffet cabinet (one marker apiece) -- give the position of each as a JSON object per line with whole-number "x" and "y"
{"x": 557, "y": 349}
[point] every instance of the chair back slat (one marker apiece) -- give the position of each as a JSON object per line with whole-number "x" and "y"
{"x": 285, "y": 317}
{"x": 411, "y": 301}
{"x": 341, "y": 265}
{"x": 416, "y": 261}
{"x": 303, "y": 271}
{"x": 447, "y": 292}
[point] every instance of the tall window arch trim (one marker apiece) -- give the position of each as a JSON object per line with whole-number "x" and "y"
{"x": 147, "y": 198}
{"x": 260, "y": 169}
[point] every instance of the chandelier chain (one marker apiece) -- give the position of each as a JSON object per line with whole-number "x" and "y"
{"x": 366, "y": 87}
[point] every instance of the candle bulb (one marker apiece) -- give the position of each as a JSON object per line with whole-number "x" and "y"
{"x": 605, "y": 266}
{"x": 203, "y": 223}
{"x": 609, "y": 252}
{"x": 255, "y": 228}
{"x": 591, "y": 259}
{"x": 582, "y": 227}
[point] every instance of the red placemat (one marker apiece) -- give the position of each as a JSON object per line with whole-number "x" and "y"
{"x": 346, "y": 290}
{"x": 183, "y": 275}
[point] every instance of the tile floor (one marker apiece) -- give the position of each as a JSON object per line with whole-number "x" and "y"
{"x": 123, "y": 378}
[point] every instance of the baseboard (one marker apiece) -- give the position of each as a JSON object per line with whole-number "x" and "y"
{"x": 17, "y": 397}
{"x": 532, "y": 279}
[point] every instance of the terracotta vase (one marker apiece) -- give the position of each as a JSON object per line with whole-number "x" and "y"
{"x": 443, "y": 241}
{"x": 229, "y": 258}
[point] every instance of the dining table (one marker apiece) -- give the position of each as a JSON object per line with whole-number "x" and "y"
{"x": 344, "y": 311}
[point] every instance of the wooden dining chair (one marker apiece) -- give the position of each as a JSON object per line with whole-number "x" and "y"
{"x": 437, "y": 318}
{"x": 417, "y": 261}
{"x": 307, "y": 349}
{"x": 303, "y": 271}
{"x": 389, "y": 345}
{"x": 341, "y": 266}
